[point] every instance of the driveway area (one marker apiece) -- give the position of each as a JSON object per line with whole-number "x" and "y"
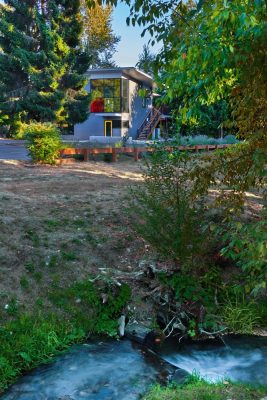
{"x": 13, "y": 150}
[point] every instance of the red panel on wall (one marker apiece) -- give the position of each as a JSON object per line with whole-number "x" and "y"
{"x": 97, "y": 105}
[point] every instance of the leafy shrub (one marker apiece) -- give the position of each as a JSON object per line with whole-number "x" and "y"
{"x": 167, "y": 212}
{"x": 195, "y": 285}
{"x": 43, "y": 142}
{"x": 247, "y": 246}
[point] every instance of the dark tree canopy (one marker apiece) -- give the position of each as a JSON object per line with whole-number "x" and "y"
{"x": 42, "y": 63}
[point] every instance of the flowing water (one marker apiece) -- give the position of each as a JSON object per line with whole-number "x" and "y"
{"x": 240, "y": 359}
{"x": 107, "y": 370}
{"x": 121, "y": 370}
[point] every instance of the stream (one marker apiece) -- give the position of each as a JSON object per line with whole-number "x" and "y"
{"x": 123, "y": 370}
{"x": 238, "y": 358}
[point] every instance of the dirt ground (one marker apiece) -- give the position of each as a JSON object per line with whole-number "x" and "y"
{"x": 65, "y": 223}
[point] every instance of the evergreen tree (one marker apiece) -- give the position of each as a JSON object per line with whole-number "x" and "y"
{"x": 41, "y": 63}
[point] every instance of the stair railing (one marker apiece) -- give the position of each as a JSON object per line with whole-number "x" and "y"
{"x": 150, "y": 120}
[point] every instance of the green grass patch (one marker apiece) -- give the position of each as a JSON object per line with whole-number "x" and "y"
{"x": 69, "y": 256}
{"x": 84, "y": 305}
{"x": 30, "y": 339}
{"x": 198, "y": 389}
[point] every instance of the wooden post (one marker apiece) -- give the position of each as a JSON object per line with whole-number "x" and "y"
{"x": 86, "y": 154}
{"x": 136, "y": 154}
{"x": 114, "y": 154}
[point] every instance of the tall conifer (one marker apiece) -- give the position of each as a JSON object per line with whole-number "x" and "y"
{"x": 42, "y": 65}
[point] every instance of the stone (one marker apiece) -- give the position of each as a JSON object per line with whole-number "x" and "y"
{"x": 179, "y": 376}
{"x": 136, "y": 332}
{"x": 143, "y": 335}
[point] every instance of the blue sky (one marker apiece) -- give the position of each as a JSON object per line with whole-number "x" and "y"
{"x": 131, "y": 43}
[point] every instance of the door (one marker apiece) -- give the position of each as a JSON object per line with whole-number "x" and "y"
{"x": 108, "y": 128}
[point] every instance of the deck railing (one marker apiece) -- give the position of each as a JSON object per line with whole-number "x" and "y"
{"x": 87, "y": 153}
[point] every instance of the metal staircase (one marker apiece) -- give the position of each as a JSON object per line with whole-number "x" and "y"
{"x": 150, "y": 122}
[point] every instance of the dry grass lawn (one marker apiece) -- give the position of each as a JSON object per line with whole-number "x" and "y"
{"x": 64, "y": 223}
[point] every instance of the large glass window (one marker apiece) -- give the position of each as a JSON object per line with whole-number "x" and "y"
{"x": 106, "y": 95}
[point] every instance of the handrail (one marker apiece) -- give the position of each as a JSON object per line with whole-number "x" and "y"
{"x": 145, "y": 120}
{"x": 150, "y": 119}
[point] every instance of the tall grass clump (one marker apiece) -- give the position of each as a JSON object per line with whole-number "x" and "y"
{"x": 240, "y": 316}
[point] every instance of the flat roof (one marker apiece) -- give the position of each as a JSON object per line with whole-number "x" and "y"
{"x": 130, "y": 72}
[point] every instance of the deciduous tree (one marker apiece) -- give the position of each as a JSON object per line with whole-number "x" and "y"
{"x": 98, "y": 37}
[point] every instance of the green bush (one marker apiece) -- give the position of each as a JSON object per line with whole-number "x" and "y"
{"x": 247, "y": 246}
{"x": 168, "y": 213}
{"x": 43, "y": 142}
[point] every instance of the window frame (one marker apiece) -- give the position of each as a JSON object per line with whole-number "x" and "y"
{"x": 107, "y": 98}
